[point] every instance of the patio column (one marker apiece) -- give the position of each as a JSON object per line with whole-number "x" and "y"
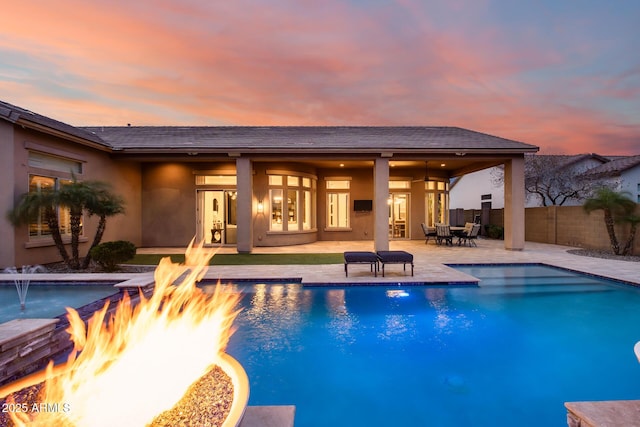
{"x": 381, "y": 209}
{"x": 514, "y": 204}
{"x": 245, "y": 207}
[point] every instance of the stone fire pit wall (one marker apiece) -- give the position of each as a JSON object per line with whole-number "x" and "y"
{"x": 25, "y": 344}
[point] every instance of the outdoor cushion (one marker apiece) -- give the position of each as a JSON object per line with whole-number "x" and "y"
{"x": 364, "y": 257}
{"x": 395, "y": 256}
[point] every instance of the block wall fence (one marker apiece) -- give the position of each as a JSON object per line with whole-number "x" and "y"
{"x": 561, "y": 225}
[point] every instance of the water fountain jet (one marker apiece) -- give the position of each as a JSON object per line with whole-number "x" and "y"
{"x": 22, "y": 284}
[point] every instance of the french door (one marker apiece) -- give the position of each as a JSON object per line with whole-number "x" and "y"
{"x": 216, "y": 217}
{"x": 399, "y": 215}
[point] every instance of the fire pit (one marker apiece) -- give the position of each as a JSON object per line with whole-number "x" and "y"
{"x": 218, "y": 398}
{"x": 160, "y": 362}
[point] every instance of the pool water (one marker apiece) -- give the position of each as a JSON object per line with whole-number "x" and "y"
{"x": 49, "y": 300}
{"x": 508, "y": 352}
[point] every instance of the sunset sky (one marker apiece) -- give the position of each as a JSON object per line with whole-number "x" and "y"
{"x": 560, "y": 74}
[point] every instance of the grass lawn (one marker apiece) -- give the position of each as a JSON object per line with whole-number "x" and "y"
{"x": 248, "y": 259}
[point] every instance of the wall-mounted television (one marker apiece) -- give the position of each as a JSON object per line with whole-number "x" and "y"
{"x": 363, "y": 205}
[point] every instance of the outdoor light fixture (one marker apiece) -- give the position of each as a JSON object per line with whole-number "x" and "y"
{"x": 260, "y": 207}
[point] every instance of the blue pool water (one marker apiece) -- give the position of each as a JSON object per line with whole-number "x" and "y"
{"x": 48, "y": 300}
{"x": 509, "y": 352}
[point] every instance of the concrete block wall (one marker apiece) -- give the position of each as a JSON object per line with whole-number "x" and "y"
{"x": 568, "y": 226}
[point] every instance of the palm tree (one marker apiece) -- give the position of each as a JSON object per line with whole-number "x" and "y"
{"x": 40, "y": 204}
{"x": 614, "y": 206}
{"x": 94, "y": 197}
{"x": 633, "y": 220}
{"x": 104, "y": 204}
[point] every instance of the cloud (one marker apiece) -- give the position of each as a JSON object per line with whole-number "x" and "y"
{"x": 286, "y": 62}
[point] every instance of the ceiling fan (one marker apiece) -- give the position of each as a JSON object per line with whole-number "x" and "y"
{"x": 426, "y": 174}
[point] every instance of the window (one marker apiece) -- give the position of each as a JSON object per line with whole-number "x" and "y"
{"x": 291, "y": 202}
{"x": 338, "y": 184}
{"x": 338, "y": 203}
{"x": 275, "y": 197}
{"x": 54, "y": 163}
{"x": 39, "y": 228}
{"x": 306, "y": 210}
{"x": 436, "y": 202}
{"x": 292, "y": 207}
{"x": 226, "y": 180}
{"x": 399, "y": 185}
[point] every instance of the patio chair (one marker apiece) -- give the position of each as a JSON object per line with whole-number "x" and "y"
{"x": 443, "y": 234}
{"x": 471, "y": 237}
{"x": 428, "y": 233}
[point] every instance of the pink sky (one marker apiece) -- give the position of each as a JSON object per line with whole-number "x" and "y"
{"x": 566, "y": 80}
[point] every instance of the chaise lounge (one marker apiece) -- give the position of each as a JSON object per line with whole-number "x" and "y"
{"x": 361, "y": 258}
{"x": 395, "y": 257}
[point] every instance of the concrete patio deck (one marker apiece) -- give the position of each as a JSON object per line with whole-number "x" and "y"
{"x": 430, "y": 263}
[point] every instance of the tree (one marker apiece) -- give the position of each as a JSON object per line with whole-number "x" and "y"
{"x": 42, "y": 203}
{"x": 554, "y": 179}
{"x": 104, "y": 204}
{"x": 617, "y": 207}
{"x": 633, "y": 220}
{"x": 94, "y": 197}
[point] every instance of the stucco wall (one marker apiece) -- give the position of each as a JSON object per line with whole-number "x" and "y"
{"x": 7, "y": 178}
{"x": 97, "y": 165}
{"x": 361, "y": 189}
{"x": 169, "y": 204}
{"x": 467, "y": 192}
{"x": 631, "y": 182}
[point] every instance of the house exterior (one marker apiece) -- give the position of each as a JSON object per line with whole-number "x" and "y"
{"x": 484, "y": 188}
{"x": 251, "y": 186}
{"x": 477, "y": 190}
{"x": 620, "y": 174}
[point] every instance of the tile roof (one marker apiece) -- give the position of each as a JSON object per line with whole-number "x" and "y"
{"x": 566, "y": 160}
{"x": 303, "y": 138}
{"x": 269, "y": 139}
{"x": 15, "y": 114}
{"x": 614, "y": 167}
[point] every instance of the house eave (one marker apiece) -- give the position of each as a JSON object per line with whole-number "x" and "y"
{"x": 27, "y": 124}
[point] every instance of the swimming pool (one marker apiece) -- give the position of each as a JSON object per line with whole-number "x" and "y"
{"x": 508, "y": 352}
{"x": 48, "y": 300}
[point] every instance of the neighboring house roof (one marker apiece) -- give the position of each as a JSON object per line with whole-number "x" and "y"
{"x": 31, "y": 120}
{"x": 565, "y": 160}
{"x": 276, "y": 139}
{"x": 614, "y": 167}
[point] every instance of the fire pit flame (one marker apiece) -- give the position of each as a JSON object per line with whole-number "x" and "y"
{"x": 127, "y": 368}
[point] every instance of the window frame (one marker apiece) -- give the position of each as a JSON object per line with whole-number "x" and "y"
{"x": 42, "y": 232}
{"x": 298, "y": 191}
{"x": 338, "y": 192}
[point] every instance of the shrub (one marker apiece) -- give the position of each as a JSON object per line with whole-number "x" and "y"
{"x": 494, "y": 231}
{"x": 109, "y": 254}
